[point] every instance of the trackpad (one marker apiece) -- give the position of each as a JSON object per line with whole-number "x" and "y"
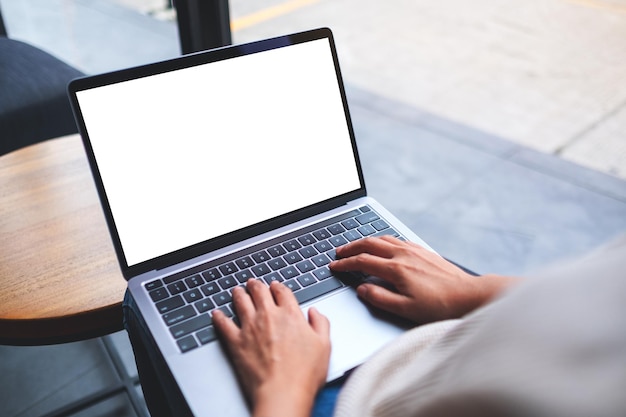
{"x": 356, "y": 331}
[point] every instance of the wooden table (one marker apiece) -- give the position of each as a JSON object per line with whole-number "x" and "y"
{"x": 59, "y": 277}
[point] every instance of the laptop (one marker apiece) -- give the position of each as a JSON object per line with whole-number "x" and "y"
{"x": 225, "y": 165}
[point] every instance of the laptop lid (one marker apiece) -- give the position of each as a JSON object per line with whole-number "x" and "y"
{"x": 196, "y": 153}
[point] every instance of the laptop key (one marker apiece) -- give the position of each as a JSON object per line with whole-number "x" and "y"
{"x": 320, "y": 260}
{"x": 194, "y": 281}
{"x": 307, "y": 240}
{"x": 227, "y": 282}
{"x": 313, "y": 291}
{"x": 336, "y": 229}
{"x": 274, "y": 276}
{"x": 366, "y": 218}
{"x": 323, "y": 246}
{"x": 210, "y": 289}
{"x": 276, "y": 251}
{"x": 321, "y": 234}
{"x": 380, "y": 225}
{"x": 389, "y": 231}
{"x": 187, "y": 343}
{"x": 206, "y": 335}
{"x": 292, "y": 258}
{"x": 204, "y": 305}
{"x": 222, "y": 298}
{"x": 228, "y": 268}
{"x": 292, "y": 285}
{"x": 261, "y": 257}
{"x": 260, "y": 270}
{"x": 176, "y": 287}
{"x": 211, "y": 275}
{"x": 189, "y": 326}
{"x": 366, "y": 230}
{"x": 245, "y": 262}
{"x": 352, "y": 235}
{"x": 305, "y": 266}
{"x": 337, "y": 241}
{"x": 159, "y": 294}
{"x": 289, "y": 272}
{"x": 179, "y": 315}
{"x": 307, "y": 252}
{"x": 306, "y": 280}
{"x": 244, "y": 276}
{"x": 292, "y": 245}
{"x": 154, "y": 284}
{"x": 277, "y": 263}
{"x": 322, "y": 273}
{"x": 350, "y": 224}
{"x": 192, "y": 296}
{"x": 170, "y": 304}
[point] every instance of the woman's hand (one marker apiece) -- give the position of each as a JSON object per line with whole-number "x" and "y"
{"x": 280, "y": 358}
{"x": 428, "y": 288}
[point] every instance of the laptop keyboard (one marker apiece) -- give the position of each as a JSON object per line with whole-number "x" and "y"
{"x": 186, "y": 301}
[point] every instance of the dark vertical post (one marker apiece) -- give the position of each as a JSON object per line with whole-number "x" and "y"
{"x": 3, "y": 30}
{"x": 202, "y": 24}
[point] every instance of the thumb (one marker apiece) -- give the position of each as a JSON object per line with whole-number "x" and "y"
{"x": 384, "y": 299}
{"x": 319, "y": 322}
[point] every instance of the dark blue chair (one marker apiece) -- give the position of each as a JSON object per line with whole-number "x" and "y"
{"x": 33, "y": 100}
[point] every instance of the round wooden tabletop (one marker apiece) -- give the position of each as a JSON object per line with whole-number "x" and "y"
{"x": 59, "y": 274}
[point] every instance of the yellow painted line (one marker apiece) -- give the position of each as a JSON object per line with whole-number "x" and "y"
{"x": 599, "y": 4}
{"x": 269, "y": 13}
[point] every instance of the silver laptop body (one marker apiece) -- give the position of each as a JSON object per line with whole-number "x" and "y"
{"x": 210, "y": 169}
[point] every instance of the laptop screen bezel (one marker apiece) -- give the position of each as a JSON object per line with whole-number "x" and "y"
{"x": 183, "y": 254}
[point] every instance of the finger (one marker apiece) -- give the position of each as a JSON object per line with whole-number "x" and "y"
{"x": 372, "y": 245}
{"x": 226, "y": 327}
{"x": 283, "y": 296}
{"x": 260, "y": 295}
{"x": 368, "y": 264}
{"x": 384, "y": 299}
{"x": 319, "y": 322}
{"x": 244, "y": 307}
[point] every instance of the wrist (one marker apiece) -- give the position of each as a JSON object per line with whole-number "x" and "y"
{"x": 492, "y": 285}
{"x": 283, "y": 400}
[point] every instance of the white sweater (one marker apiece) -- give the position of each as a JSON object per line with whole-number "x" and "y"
{"x": 554, "y": 346}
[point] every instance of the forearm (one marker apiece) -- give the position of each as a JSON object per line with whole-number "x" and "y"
{"x": 292, "y": 402}
{"x": 490, "y": 286}
{"x": 459, "y": 298}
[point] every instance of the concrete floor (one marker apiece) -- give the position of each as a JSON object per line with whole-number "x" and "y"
{"x": 495, "y": 132}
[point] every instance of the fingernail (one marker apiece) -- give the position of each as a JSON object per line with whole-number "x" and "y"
{"x": 361, "y": 291}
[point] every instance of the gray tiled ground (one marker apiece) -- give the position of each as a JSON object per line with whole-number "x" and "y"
{"x": 429, "y": 107}
{"x": 37, "y": 380}
{"x": 488, "y": 204}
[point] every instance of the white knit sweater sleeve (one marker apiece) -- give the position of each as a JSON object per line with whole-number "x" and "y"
{"x": 553, "y": 346}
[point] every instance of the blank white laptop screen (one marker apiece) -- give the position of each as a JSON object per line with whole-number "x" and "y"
{"x": 189, "y": 155}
